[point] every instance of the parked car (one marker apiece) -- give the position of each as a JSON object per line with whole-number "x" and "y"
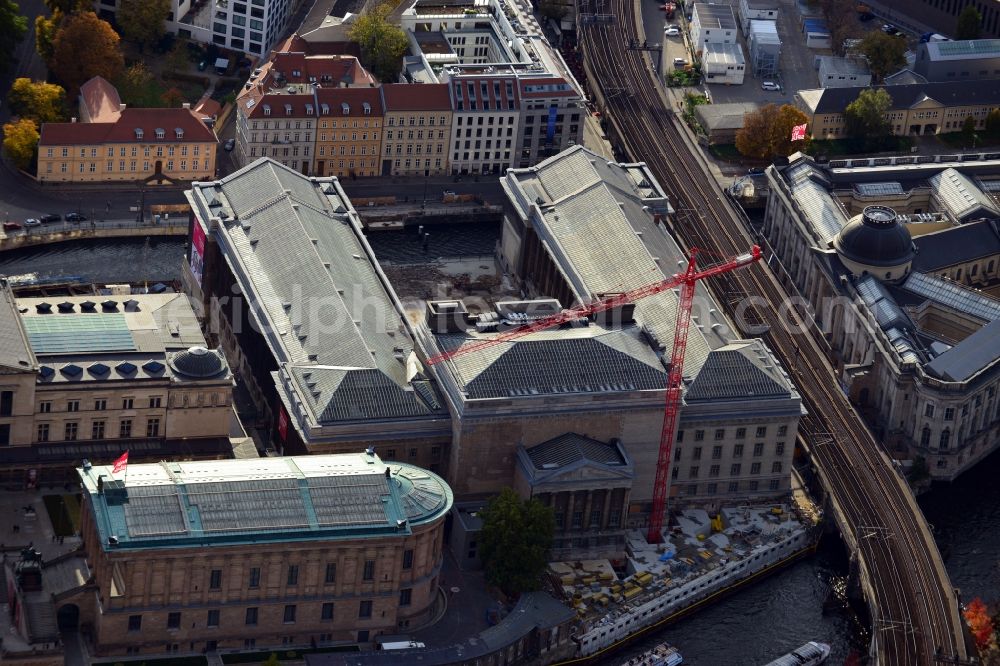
{"x": 769, "y": 85}
{"x": 890, "y": 29}
{"x": 229, "y": 145}
{"x": 203, "y": 65}
{"x": 32, "y": 222}
{"x": 76, "y": 217}
{"x": 11, "y": 226}
{"x": 51, "y": 217}
{"x": 672, "y": 32}
{"x": 755, "y": 171}
{"x": 680, "y": 62}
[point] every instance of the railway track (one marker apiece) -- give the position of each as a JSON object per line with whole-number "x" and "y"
{"x": 913, "y": 605}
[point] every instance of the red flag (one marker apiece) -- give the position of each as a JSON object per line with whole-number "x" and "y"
{"x": 798, "y": 133}
{"x": 120, "y": 464}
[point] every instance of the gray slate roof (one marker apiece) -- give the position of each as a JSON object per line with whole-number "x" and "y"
{"x": 740, "y": 371}
{"x": 296, "y": 245}
{"x": 962, "y": 196}
{"x": 15, "y": 352}
{"x": 956, "y": 245}
{"x": 571, "y": 448}
{"x": 968, "y": 357}
{"x": 951, "y": 93}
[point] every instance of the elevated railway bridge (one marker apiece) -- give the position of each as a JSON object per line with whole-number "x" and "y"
{"x": 914, "y": 608}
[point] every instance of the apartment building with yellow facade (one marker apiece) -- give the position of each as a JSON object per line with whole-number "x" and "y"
{"x": 349, "y": 137}
{"x": 138, "y": 145}
{"x": 417, "y": 129}
{"x": 916, "y": 109}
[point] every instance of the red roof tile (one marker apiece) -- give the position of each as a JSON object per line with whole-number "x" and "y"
{"x": 355, "y": 99}
{"x": 416, "y": 97}
{"x": 101, "y": 100}
{"x": 124, "y": 130}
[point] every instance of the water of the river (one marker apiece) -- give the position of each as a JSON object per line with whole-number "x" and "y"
{"x": 750, "y": 627}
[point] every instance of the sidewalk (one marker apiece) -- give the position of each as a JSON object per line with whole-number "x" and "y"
{"x": 468, "y": 603}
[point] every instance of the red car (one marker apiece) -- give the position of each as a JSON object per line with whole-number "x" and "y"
{"x": 11, "y": 226}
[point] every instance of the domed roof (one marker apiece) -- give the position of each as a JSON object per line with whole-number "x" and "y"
{"x": 198, "y": 362}
{"x": 875, "y": 238}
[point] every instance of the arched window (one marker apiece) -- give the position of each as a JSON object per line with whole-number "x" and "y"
{"x": 975, "y": 269}
{"x": 925, "y": 436}
{"x": 945, "y": 438}
{"x": 989, "y": 267}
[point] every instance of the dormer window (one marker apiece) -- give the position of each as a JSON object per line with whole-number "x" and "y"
{"x": 160, "y": 132}
{"x": 309, "y": 109}
{"x": 325, "y": 108}
{"x": 178, "y": 132}
{"x": 345, "y": 107}
{"x": 138, "y": 133}
{"x": 368, "y": 109}
{"x": 267, "y": 109}
{"x": 288, "y": 109}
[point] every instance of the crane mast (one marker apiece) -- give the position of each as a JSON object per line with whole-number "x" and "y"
{"x": 675, "y": 371}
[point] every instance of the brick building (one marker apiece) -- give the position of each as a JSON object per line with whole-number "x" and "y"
{"x": 349, "y": 138}
{"x": 262, "y": 553}
{"x": 417, "y": 129}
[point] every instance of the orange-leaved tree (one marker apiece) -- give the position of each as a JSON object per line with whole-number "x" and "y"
{"x": 980, "y": 623}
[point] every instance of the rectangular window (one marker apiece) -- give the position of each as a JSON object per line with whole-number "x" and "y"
{"x": 738, "y": 451}
{"x": 758, "y": 449}
{"x": 251, "y": 617}
{"x": 734, "y": 486}
{"x": 365, "y": 609}
{"x": 213, "y": 618}
{"x": 97, "y": 430}
{"x": 73, "y": 406}
{"x": 6, "y": 403}
{"x": 762, "y": 431}
{"x": 125, "y": 428}
{"x": 774, "y": 484}
{"x": 293, "y": 574}
{"x": 776, "y": 468}
{"x": 100, "y": 405}
{"x": 720, "y": 433}
{"x": 755, "y": 468}
{"x": 699, "y": 435}
{"x": 693, "y": 472}
{"x": 716, "y": 452}
{"x": 696, "y": 454}
{"x": 127, "y": 403}
{"x": 949, "y": 413}
{"x": 326, "y": 613}
{"x": 779, "y": 449}
{"x": 408, "y": 558}
{"x": 331, "y": 573}
{"x": 152, "y": 427}
{"x": 289, "y": 616}
{"x": 929, "y": 411}
{"x": 782, "y": 431}
{"x": 369, "y": 572}
{"x": 43, "y": 432}
{"x": 215, "y": 579}
{"x": 254, "y": 577}
{"x": 405, "y": 595}
{"x": 155, "y": 401}
{"x": 71, "y": 430}
{"x": 135, "y": 623}
{"x": 45, "y": 407}
{"x": 173, "y": 620}
{"x": 734, "y": 470}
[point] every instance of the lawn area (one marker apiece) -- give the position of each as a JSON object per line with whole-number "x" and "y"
{"x": 846, "y": 147}
{"x": 726, "y": 152}
{"x": 958, "y": 141}
{"x": 64, "y": 513}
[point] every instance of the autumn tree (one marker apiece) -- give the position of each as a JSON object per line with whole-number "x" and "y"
{"x": 969, "y": 22}
{"x": 172, "y": 98}
{"x": 886, "y": 53}
{"x": 13, "y": 26}
{"x": 42, "y": 102}
{"x": 20, "y": 139}
{"x": 514, "y": 542}
{"x": 980, "y": 623}
{"x": 46, "y": 29}
{"x": 864, "y": 118}
{"x": 382, "y": 43}
{"x": 67, "y": 7}
{"x": 840, "y": 18}
{"x": 142, "y": 21}
{"x": 177, "y": 57}
{"x": 85, "y": 47}
{"x": 767, "y": 132}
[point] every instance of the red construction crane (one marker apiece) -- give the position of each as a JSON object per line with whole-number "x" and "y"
{"x": 675, "y": 371}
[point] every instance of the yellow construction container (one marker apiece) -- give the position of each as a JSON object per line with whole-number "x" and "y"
{"x": 629, "y": 593}
{"x": 644, "y": 577}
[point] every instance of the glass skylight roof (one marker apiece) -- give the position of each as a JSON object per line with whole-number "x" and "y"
{"x": 67, "y": 333}
{"x": 954, "y": 296}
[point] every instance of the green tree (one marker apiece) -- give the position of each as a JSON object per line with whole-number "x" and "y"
{"x": 272, "y": 660}
{"x": 40, "y": 101}
{"x": 993, "y": 123}
{"x": 767, "y": 132}
{"x": 136, "y": 86}
{"x": 886, "y": 54}
{"x": 142, "y": 21}
{"x": 864, "y": 118}
{"x": 66, "y": 7}
{"x": 969, "y": 127}
{"x": 515, "y": 541}
{"x": 85, "y": 47}
{"x": 969, "y": 22}
{"x": 177, "y": 57}
{"x": 382, "y": 43}
{"x": 20, "y": 140}
{"x": 46, "y": 29}
{"x": 13, "y": 26}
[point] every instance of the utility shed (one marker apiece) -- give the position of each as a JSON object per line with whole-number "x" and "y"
{"x": 723, "y": 63}
{"x": 835, "y": 72}
{"x": 722, "y": 121}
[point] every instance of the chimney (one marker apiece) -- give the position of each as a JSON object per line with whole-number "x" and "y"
{"x": 186, "y": 105}
{"x": 121, "y": 107}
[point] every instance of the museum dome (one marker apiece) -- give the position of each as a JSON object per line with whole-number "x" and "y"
{"x": 875, "y": 239}
{"x": 198, "y": 362}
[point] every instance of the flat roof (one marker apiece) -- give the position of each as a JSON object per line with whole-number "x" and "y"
{"x": 962, "y": 49}
{"x": 283, "y": 499}
{"x": 836, "y": 65}
{"x": 723, "y": 54}
{"x": 715, "y": 16}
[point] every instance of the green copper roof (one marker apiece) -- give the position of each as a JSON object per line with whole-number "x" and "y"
{"x": 177, "y": 504}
